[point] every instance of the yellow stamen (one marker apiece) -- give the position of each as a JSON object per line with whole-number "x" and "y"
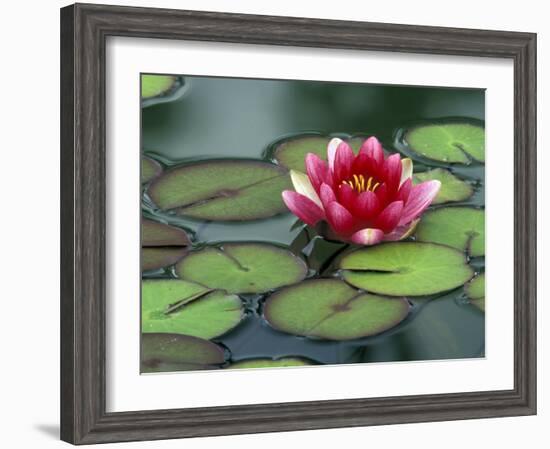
{"x": 358, "y": 183}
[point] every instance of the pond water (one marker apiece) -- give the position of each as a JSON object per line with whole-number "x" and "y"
{"x": 213, "y": 118}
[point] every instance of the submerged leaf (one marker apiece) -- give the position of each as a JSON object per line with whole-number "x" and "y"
{"x": 150, "y": 169}
{"x": 242, "y": 267}
{"x": 448, "y": 142}
{"x": 331, "y": 309}
{"x": 176, "y": 306}
{"x": 460, "y": 227}
{"x": 227, "y": 190}
{"x": 406, "y": 268}
{"x": 172, "y": 352}
{"x": 154, "y": 233}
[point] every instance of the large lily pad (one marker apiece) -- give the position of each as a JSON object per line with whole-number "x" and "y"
{"x": 150, "y": 169}
{"x": 271, "y": 363}
{"x": 291, "y": 153}
{"x": 448, "y": 142}
{"x": 242, "y": 267}
{"x": 406, "y": 268}
{"x": 228, "y": 190}
{"x": 452, "y": 188}
{"x": 475, "y": 289}
{"x": 173, "y": 352}
{"x": 153, "y": 85}
{"x": 331, "y": 309}
{"x": 460, "y": 227}
{"x": 181, "y": 307}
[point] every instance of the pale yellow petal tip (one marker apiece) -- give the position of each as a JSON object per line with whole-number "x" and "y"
{"x": 407, "y": 169}
{"x": 303, "y": 185}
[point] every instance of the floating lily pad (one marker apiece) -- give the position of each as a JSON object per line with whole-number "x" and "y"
{"x": 153, "y": 85}
{"x": 229, "y": 190}
{"x": 172, "y": 352}
{"x": 154, "y": 233}
{"x": 181, "y": 307}
{"x": 448, "y": 142}
{"x": 271, "y": 363}
{"x": 475, "y": 289}
{"x": 406, "y": 268}
{"x": 291, "y": 153}
{"x": 460, "y": 227}
{"x": 154, "y": 258}
{"x": 331, "y": 309}
{"x": 150, "y": 169}
{"x": 242, "y": 267}
{"x": 452, "y": 188}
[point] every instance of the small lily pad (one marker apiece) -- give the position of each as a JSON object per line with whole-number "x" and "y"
{"x": 154, "y": 85}
{"x": 154, "y": 233}
{"x": 475, "y": 289}
{"x": 448, "y": 142}
{"x": 460, "y": 227}
{"x": 271, "y": 363}
{"x": 291, "y": 153}
{"x": 154, "y": 258}
{"x": 226, "y": 190}
{"x": 173, "y": 352}
{"x": 331, "y": 309}
{"x": 181, "y": 307}
{"x": 242, "y": 267}
{"x": 452, "y": 188}
{"x": 406, "y": 268}
{"x": 150, "y": 169}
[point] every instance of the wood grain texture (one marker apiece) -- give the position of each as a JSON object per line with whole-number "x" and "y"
{"x": 84, "y": 29}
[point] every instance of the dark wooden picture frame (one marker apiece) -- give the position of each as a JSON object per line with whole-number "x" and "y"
{"x": 84, "y": 29}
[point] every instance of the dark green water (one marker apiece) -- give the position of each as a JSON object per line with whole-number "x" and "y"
{"x": 220, "y": 117}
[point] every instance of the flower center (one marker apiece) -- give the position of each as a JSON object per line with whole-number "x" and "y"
{"x": 360, "y": 184}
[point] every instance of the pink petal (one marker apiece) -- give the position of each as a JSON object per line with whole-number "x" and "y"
{"x": 346, "y": 196}
{"x": 301, "y": 206}
{"x": 367, "y": 205}
{"x": 331, "y": 151}
{"x": 343, "y": 162}
{"x": 373, "y": 148}
{"x": 339, "y": 218}
{"x": 327, "y": 195}
{"x": 401, "y": 232}
{"x": 382, "y": 194}
{"x": 317, "y": 171}
{"x": 368, "y": 236}
{"x": 405, "y": 190}
{"x": 420, "y": 198}
{"x": 392, "y": 171}
{"x": 389, "y": 217}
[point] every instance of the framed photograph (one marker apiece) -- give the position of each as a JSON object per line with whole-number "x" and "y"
{"x": 274, "y": 223}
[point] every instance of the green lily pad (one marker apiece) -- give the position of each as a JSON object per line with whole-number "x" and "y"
{"x": 154, "y": 233}
{"x": 228, "y": 190}
{"x": 150, "y": 169}
{"x": 173, "y": 352}
{"x": 460, "y": 227}
{"x": 291, "y": 153}
{"x": 448, "y": 142}
{"x": 271, "y": 363}
{"x": 475, "y": 289}
{"x": 181, "y": 307}
{"x": 406, "y": 268}
{"x": 154, "y": 258}
{"x": 242, "y": 267}
{"x": 452, "y": 188}
{"x": 154, "y": 85}
{"x": 331, "y": 309}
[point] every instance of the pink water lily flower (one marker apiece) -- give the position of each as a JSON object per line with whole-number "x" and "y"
{"x": 364, "y": 199}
